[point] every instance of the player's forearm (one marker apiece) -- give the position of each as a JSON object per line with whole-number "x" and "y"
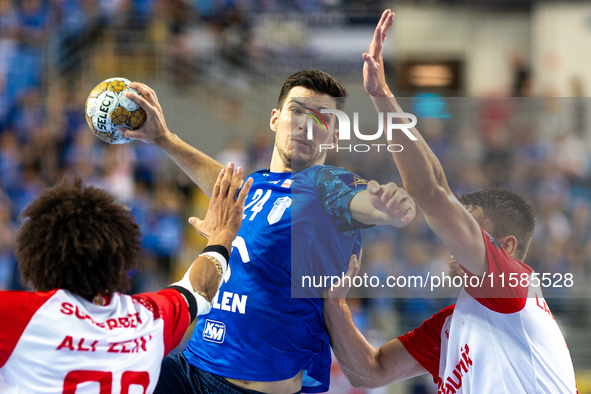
{"x": 357, "y": 356}
{"x": 204, "y": 277}
{"x": 419, "y": 168}
{"x": 204, "y": 273}
{"x": 360, "y": 381}
{"x": 202, "y": 169}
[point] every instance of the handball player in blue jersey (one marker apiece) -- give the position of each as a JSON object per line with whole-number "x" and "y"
{"x": 257, "y": 339}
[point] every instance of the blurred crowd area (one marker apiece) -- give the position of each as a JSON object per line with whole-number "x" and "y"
{"x": 50, "y": 51}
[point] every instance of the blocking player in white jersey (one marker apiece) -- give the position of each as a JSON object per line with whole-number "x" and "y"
{"x": 77, "y": 333}
{"x": 496, "y": 338}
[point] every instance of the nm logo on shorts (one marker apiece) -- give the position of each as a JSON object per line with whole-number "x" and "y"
{"x": 214, "y": 331}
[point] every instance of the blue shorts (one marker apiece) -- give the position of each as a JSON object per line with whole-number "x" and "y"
{"x": 178, "y": 376}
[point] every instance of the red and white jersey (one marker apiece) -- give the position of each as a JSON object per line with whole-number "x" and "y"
{"x": 57, "y": 342}
{"x": 487, "y": 344}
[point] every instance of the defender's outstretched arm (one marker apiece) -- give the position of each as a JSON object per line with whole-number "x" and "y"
{"x": 421, "y": 171}
{"x": 221, "y": 224}
{"x": 363, "y": 364}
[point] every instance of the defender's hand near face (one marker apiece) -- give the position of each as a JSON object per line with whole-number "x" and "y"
{"x": 224, "y": 214}
{"x": 154, "y": 128}
{"x": 374, "y": 79}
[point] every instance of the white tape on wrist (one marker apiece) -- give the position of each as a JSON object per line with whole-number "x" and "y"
{"x": 203, "y": 306}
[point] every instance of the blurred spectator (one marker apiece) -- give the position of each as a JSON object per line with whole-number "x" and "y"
{"x": 71, "y": 21}
{"x": 25, "y": 69}
{"x": 178, "y": 46}
{"x": 119, "y": 171}
{"x": 233, "y": 152}
{"x": 522, "y": 80}
{"x": 29, "y": 115}
{"x": 8, "y": 29}
{"x": 84, "y": 148}
{"x": 167, "y": 226}
{"x": 260, "y": 149}
{"x": 7, "y": 244}
{"x": 112, "y": 12}
{"x": 149, "y": 159}
{"x": 10, "y": 162}
{"x": 29, "y": 187}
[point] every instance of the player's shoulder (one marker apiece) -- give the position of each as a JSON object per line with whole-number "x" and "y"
{"x": 22, "y": 305}
{"x": 338, "y": 177}
{"x": 18, "y": 299}
{"x": 324, "y": 168}
{"x": 445, "y": 312}
{"x": 18, "y": 308}
{"x": 436, "y": 322}
{"x": 156, "y": 303}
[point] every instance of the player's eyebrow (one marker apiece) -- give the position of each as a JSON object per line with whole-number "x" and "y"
{"x": 301, "y": 104}
{"x": 297, "y": 102}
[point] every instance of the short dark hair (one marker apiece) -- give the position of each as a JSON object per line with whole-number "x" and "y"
{"x": 78, "y": 239}
{"x": 315, "y": 80}
{"x": 509, "y": 213}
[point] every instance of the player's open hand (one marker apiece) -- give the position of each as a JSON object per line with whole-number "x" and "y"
{"x": 340, "y": 290}
{"x": 154, "y": 129}
{"x": 224, "y": 214}
{"x": 374, "y": 78}
{"x": 394, "y": 201}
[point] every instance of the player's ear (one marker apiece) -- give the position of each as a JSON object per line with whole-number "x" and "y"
{"x": 335, "y": 136}
{"x": 274, "y": 119}
{"x": 509, "y": 243}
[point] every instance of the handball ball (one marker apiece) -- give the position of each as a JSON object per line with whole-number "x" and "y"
{"x": 107, "y": 110}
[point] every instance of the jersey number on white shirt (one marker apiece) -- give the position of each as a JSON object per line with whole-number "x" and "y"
{"x": 105, "y": 380}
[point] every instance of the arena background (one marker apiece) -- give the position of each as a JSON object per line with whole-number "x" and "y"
{"x": 217, "y": 67}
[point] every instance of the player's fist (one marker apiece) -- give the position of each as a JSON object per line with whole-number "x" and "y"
{"x": 394, "y": 201}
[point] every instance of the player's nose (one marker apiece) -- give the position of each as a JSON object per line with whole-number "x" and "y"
{"x": 299, "y": 122}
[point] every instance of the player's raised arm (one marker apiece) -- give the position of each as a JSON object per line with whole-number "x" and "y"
{"x": 363, "y": 364}
{"x": 201, "y": 168}
{"x": 421, "y": 172}
{"x": 221, "y": 224}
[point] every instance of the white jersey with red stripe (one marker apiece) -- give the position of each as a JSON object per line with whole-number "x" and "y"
{"x": 495, "y": 339}
{"x": 57, "y": 342}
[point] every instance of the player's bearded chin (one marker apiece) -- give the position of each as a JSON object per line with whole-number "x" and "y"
{"x": 299, "y": 159}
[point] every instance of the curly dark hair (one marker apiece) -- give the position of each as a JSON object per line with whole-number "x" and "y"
{"x": 77, "y": 238}
{"x": 509, "y": 213}
{"x": 317, "y": 81}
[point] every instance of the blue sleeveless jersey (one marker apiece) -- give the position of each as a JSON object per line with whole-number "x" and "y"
{"x": 296, "y": 224}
